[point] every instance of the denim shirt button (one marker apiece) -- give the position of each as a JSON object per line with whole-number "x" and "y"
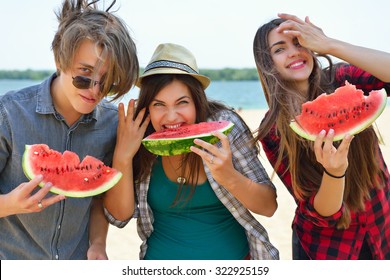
{"x": 57, "y": 257}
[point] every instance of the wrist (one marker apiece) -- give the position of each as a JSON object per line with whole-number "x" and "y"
{"x": 335, "y": 175}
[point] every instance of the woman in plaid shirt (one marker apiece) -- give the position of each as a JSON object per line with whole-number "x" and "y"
{"x": 342, "y": 189}
{"x": 195, "y": 205}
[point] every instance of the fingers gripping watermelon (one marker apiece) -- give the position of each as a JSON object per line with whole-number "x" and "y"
{"x": 346, "y": 110}
{"x": 68, "y": 175}
{"x": 176, "y": 141}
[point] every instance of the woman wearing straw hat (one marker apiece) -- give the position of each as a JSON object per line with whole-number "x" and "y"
{"x": 196, "y": 205}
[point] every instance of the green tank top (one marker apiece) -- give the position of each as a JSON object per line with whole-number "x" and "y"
{"x": 199, "y": 229}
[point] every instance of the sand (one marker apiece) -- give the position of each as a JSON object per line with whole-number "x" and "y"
{"x": 123, "y": 244}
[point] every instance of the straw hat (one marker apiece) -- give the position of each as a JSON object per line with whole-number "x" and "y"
{"x": 173, "y": 59}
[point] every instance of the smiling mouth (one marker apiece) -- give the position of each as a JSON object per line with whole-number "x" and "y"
{"x": 89, "y": 100}
{"x": 296, "y": 64}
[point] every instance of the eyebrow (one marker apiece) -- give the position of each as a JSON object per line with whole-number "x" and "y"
{"x": 277, "y": 43}
{"x": 179, "y": 99}
{"x": 86, "y": 65}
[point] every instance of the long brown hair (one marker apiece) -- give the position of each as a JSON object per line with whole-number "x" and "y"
{"x": 284, "y": 103}
{"x": 144, "y": 160}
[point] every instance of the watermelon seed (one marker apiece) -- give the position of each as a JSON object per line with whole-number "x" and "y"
{"x": 86, "y": 179}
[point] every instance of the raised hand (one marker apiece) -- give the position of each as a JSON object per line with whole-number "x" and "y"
{"x": 130, "y": 132}
{"x": 309, "y": 35}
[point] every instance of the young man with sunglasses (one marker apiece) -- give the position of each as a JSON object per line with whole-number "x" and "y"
{"x": 94, "y": 56}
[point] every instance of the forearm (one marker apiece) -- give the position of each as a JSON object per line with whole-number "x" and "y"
{"x": 373, "y": 61}
{"x": 329, "y": 197}
{"x": 119, "y": 200}
{"x": 256, "y": 197}
{"x": 98, "y": 228}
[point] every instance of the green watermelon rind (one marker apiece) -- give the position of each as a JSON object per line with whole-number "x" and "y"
{"x": 28, "y": 171}
{"x": 178, "y": 146}
{"x": 301, "y": 131}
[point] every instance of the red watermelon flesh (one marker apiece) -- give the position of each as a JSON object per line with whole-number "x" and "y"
{"x": 68, "y": 175}
{"x": 347, "y": 111}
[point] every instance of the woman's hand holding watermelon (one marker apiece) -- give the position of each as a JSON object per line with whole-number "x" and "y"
{"x": 335, "y": 161}
{"x": 21, "y": 200}
{"x": 256, "y": 197}
{"x": 329, "y": 197}
{"x": 218, "y": 160}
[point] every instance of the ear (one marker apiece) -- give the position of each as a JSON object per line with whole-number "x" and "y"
{"x": 58, "y": 69}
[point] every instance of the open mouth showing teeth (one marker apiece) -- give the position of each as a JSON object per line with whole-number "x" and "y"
{"x": 296, "y": 64}
{"x": 172, "y": 126}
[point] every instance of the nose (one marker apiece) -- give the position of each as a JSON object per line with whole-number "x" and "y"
{"x": 171, "y": 114}
{"x": 96, "y": 89}
{"x": 294, "y": 51}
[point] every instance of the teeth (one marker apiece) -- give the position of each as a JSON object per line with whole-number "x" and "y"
{"x": 173, "y": 126}
{"x": 295, "y": 64}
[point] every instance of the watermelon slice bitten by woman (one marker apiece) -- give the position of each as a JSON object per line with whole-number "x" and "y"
{"x": 346, "y": 111}
{"x": 68, "y": 175}
{"x": 176, "y": 141}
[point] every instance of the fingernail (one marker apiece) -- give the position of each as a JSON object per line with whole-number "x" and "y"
{"x": 331, "y": 131}
{"x": 48, "y": 185}
{"x": 322, "y": 132}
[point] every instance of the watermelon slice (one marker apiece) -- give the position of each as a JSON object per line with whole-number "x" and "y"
{"x": 68, "y": 176}
{"x": 176, "y": 141}
{"x": 346, "y": 110}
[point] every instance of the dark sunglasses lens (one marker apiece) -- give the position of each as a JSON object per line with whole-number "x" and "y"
{"x": 81, "y": 82}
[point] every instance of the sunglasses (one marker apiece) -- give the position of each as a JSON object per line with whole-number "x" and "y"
{"x": 81, "y": 82}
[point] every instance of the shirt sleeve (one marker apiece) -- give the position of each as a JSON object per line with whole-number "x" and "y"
{"x": 360, "y": 78}
{"x": 112, "y": 220}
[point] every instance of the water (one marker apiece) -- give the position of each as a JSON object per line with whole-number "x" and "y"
{"x": 237, "y": 94}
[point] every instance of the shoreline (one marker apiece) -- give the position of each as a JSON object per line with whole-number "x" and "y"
{"x": 123, "y": 244}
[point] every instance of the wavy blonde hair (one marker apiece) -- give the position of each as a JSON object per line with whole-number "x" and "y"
{"x": 80, "y": 20}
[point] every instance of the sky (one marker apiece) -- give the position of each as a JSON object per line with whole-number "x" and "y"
{"x": 218, "y": 32}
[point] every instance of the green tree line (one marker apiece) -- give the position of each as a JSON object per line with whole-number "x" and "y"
{"x": 226, "y": 74}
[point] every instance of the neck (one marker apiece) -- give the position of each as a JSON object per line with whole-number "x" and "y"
{"x": 175, "y": 169}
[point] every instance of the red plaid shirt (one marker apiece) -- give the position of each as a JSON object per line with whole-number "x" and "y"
{"x": 318, "y": 235}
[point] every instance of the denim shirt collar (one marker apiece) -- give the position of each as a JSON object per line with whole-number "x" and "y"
{"x": 45, "y": 101}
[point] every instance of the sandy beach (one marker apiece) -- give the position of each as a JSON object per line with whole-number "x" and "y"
{"x": 123, "y": 244}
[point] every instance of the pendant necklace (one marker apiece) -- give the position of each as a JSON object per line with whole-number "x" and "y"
{"x": 180, "y": 179}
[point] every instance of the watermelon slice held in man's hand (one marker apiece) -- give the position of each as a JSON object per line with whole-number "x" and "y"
{"x": 68, "y": 176}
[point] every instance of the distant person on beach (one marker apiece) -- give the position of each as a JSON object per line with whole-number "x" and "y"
{"x": 94, "y": 56}
{"x": 195, "y": 205}
{"x": 342, "y": 189}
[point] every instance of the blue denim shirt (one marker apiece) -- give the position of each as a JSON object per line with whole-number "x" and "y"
{"x": 28, "y": 116}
